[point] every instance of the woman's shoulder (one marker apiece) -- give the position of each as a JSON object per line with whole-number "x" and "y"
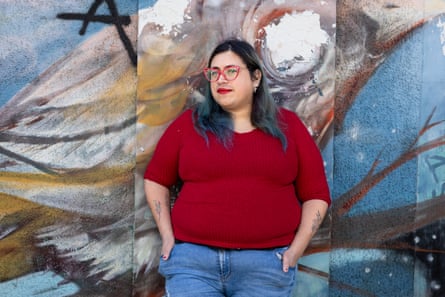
{"x": 186, "y": 113}
{"x": 182, "y": 122}
{"x": 293, "y": 123}
{"x": 288, "y": 116}
{"x": 285, "y": 113}
{"x": 184, "y": 117}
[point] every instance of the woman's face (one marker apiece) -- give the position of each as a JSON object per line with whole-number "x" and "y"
{"x": 234, "y": 96}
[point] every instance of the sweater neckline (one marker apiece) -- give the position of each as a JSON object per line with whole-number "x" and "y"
{"x": 247, "y": 132}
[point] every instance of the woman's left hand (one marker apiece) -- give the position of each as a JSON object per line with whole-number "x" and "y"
{"x": 290, "y": 259}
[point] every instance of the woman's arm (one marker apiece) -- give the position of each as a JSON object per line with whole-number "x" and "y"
{"x": 158, "y": 198}
{"x": 312, "y": 215}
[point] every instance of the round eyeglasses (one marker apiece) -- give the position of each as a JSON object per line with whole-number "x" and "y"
{"x": 229, "y": 72}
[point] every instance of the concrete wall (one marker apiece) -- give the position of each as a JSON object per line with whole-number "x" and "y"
{"x": 87, "y": 87}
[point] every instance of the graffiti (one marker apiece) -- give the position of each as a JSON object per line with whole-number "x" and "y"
{"x": 114, "y": 18}
{"x": 51, "y": 240}
{"x": 75, "y": 139}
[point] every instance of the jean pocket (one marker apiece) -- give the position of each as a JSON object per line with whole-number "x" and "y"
{"x": 279, "y": 252}
{"x": 161, "y": 267}
{"x": 165, "y": 265}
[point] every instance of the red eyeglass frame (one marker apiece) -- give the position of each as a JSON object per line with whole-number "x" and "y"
{"x": 221, "y": 72}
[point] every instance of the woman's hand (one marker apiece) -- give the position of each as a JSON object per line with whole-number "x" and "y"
{"x": 290, "y": 259}
{"x": 167, "y": 246}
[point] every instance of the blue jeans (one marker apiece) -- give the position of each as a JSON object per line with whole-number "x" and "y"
{"x": 200, "y": 271}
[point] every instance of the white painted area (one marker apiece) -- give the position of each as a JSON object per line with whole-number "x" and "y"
{"x": 214, "y": 3}
{"x": 441, "y": 25}
{"x": 296, "y": 40}
{"x": 165, "y": 13}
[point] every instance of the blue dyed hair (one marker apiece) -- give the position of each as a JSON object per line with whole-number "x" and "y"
{"x": 210, "y": 117}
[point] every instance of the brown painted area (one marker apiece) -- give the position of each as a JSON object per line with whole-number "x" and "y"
{"x": 17, "y": 250}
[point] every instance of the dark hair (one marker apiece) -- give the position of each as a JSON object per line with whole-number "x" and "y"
{"x": 210, "y": 117}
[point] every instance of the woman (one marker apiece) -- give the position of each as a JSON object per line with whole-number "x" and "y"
{"x": 254, "y": 189}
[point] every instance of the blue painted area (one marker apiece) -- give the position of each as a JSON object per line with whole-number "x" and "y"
{"x": 379, "y": 273}
{"x": 328, "y": 158}
{"x": 434, "y": 57}
{"x": 39, "y": 284}
{"x": 146, "y": 3}
{"x": 381, "y": 125}
{"x": 27, "y": 53}
{"x": 434, "y": 73}
{"x": 432, "y": 163}
{"x": 385, "y": 119}
{"x": 309, "y": 284}
{"x": 431, "y": 181}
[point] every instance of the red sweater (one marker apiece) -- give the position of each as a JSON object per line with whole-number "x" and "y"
{"x": 248, "y": 196}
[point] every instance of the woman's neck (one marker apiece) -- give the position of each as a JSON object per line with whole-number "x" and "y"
{"x": 242, "y": 122}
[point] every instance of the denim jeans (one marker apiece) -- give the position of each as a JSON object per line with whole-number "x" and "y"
{"x": 200, "y": 271}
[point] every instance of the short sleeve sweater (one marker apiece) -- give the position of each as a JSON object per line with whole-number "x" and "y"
{"x": 247, "y": 196}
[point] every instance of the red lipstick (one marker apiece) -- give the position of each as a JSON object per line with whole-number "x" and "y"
{"x": 223, "y": 91}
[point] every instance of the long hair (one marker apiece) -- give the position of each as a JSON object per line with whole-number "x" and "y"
{"x": 210, "y": 117}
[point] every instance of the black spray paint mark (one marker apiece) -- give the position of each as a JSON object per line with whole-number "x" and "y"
{"x": 114, "y": 18}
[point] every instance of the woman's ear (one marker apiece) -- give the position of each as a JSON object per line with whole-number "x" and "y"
{"x": 256, "y": 75}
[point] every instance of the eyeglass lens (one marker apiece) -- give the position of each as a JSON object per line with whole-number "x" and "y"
{"x": 229, "y": 73}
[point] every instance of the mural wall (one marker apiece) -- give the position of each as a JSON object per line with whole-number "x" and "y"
{"x": 88, "y": 86}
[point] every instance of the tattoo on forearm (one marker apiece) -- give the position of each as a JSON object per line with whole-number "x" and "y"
{"x": 158, "y": 208}
{"x": 316, "y": 222}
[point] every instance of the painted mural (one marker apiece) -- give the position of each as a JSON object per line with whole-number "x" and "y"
{"x": 66, "y": 154}
{"x": 88, "y": 86}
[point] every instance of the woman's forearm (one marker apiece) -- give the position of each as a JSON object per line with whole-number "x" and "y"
{"x": 158, "y": 198}
{"x": 312, "y": 215}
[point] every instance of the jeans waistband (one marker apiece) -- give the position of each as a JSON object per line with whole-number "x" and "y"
{"x": 177, "y": 241}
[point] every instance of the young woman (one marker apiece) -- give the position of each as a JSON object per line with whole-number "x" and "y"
{"x": 254, "y": 188}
